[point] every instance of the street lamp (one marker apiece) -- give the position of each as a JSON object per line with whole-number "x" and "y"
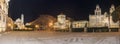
{"x": 50, "y": 24}
{"x": 36, "y": 26}
{"x": 9, "y": 25}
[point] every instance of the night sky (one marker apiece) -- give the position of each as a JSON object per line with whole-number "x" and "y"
{"x": 76, "y": 9}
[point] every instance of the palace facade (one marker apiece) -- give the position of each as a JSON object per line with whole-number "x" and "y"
{"x": 3, "y": 14}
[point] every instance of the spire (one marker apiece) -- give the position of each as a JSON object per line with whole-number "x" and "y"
{"x": 22, "y": 18}
{"x": 105, "y": 13}
{"x": 112, "y": 8}
{"x": 7, "y": 1}
{"x": 97, "y": 6}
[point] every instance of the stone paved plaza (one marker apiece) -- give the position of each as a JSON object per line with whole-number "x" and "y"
{"x": 47, "y": 37}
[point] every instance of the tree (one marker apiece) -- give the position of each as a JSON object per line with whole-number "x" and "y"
{"x": 44, "y": 21}
{"x": 9, "y": 23}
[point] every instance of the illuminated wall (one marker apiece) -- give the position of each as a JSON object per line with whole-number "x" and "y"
{"x": 62, "y": 22}
{"x": 79, "y": 24}
{"x": 3, "y": 14}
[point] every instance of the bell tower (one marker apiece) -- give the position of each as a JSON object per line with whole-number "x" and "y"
{"x": 22, "y": 18}
{"x": 112, "y": 9}
{"x": 97, "y": 10}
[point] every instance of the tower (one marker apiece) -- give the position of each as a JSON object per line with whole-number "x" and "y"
{"x": 3, "y": 14}
{"x": 112, "y": 9}
{"x": 97, "y": 10}
{"x": 22, "y": 18}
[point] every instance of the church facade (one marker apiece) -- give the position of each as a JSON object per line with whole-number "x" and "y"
{"x": 102, "y": 20}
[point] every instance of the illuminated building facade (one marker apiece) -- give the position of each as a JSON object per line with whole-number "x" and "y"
{"x": 62, "y": 22}
{"x": 96, "y": 20}
{"x": 102, "y": 20}
{"x": 79, "y": 24}
{"x": 3, "y": 14}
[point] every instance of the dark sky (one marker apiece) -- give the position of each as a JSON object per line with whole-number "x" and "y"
{"x": 76, "y": 9}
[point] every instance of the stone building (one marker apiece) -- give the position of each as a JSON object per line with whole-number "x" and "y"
{"x": 102, "y": 20}
{"x": 79, "y": 24}
{"x": 3, "y": 14}
{"x": 96, "y": 21}
{"x": 62, "y": 22}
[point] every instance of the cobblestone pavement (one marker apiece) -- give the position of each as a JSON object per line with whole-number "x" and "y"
{"x": 47, "y": 37}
